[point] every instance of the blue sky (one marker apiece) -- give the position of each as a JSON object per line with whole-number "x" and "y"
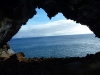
{"x": 41, "y": 25}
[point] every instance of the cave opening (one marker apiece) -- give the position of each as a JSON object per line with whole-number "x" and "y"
{"x": 58, "y": 37}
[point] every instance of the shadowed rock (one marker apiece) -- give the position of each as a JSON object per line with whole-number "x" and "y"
{"x": 17, "y": 64}
{"x": 15, "y": 13}
{"x": 18, "y": 57}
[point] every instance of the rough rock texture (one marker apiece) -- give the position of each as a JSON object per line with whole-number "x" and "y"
{"x": 17, "y": 64}
{"x": 18, "y": 57}
{"x": 15, "y": 13}
{"x": 5, "y": 51}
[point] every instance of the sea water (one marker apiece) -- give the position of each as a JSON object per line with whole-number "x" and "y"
{"x": 57, "y": 46}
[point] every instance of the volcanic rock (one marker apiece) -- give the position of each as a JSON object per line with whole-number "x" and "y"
{"x": 5, "y": 51}
{"x": 18, "y": 57}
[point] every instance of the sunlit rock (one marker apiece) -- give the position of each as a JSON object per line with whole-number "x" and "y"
{"x": 5, "y": 51}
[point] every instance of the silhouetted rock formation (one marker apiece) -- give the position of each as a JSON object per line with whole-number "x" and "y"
{"x": 18, "y": 57}
{"x": 17, "y": 64}
{"x": 15, "y": 13}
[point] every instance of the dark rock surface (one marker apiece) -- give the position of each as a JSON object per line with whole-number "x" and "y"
{"x": 15, "y": 13}
{"x": 17, "y": 64}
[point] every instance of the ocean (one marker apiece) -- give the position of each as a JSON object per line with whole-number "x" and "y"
{"x": 57, "y": 46}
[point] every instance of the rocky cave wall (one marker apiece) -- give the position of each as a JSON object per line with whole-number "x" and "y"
{"x": 15, "y": 13}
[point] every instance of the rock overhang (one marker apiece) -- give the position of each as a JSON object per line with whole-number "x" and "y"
{"x": 15, "y": 13}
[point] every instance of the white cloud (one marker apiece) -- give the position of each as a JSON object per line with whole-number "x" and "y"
{"x": 60, "y": 27}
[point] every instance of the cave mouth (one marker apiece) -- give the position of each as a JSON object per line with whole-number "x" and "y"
{"x": 81, "y": 43}
{"x": 14, "y": 15}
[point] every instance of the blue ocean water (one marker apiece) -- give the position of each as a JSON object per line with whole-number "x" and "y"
{"x": 57, "y": 46}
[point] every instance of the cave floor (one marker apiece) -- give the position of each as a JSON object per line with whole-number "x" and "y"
{"x": 89, "y": 65}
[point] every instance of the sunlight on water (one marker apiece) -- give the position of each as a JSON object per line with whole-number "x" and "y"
{"x": 57, "y": 46}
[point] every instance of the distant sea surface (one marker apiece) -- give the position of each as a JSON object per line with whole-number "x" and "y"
{"x": 57, "y": 46}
